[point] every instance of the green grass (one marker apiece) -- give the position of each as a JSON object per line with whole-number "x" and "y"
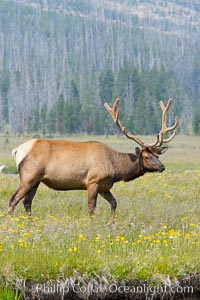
{"x": 7, "y": 293}
{"x": 156, "y": 235}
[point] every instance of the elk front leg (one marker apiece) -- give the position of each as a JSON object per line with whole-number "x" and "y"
{"x": 92, "y": 198}
{"x": 113, "y": 203}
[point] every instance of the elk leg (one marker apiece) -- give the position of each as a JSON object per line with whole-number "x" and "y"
{"x": 27, "y": 201}
{"x": 92, "y": 198}
{"x": 113, "y": 203}
{"x": 10, "y": 209}
{"x": 19, "y": 194}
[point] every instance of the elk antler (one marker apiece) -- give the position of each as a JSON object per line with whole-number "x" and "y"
{"x": 114, "y": 112}
{"x": 164, "y": 128}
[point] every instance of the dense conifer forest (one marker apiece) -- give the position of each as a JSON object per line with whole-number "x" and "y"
{"x": 60, "y": 60}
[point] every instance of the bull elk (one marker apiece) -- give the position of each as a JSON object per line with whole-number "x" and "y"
{"x": 91, "y": 166}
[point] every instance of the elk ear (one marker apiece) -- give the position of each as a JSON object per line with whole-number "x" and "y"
{"x": 137, "y": 151}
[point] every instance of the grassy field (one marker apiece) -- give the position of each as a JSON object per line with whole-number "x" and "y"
{"x": 155, "y": 239}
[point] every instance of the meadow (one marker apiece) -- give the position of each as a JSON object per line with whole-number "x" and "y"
{"x": 154, "y": 241}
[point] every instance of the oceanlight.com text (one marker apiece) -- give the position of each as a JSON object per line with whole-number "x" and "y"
{"x": 89, "y": 289}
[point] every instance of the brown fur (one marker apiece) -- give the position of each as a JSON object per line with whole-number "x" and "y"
{"x": 69, "y": 165}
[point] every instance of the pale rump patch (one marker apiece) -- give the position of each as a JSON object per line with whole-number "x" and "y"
{"x": 20, "y": 152}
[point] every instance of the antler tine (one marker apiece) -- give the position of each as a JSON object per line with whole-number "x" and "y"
{"x": 164, "y": 128}
{"x": 156, "y": 142}
{"x": 114, "y": 112}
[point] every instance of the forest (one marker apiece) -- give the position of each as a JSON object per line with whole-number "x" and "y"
{"x": 61, "y": 60}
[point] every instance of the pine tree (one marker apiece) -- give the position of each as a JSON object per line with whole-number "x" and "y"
{"x": 60, "y": 114}
{"x": 36, "y": 120}
{"x": 43, "y": 115}
{"x": 196, "y": 122}
{"x": 106, "y": 85}
{"x": 51, "y": 121}
{"x": 4, "y": 89}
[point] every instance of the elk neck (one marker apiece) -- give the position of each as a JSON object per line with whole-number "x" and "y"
{"x": 129, "y": 167}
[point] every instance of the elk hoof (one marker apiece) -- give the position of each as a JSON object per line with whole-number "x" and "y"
{"x": 28, "y": 213}
{"x": 10, "y": 211}
{"x": 112, "y": 224}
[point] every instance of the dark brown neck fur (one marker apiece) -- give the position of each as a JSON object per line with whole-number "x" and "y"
{"x": 128, "y": 167}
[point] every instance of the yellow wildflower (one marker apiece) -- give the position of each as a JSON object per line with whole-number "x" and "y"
{"x": 187, "y": 236}
{"x": 26, "y": 235}
{"x": 156, "y": 241}
{"x": 23, "y": 245}
{"x": 82, "y": 237}
{"x": 99, "y": 251}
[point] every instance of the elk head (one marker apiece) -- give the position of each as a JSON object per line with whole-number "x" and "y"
{"x": 148, "y": 153}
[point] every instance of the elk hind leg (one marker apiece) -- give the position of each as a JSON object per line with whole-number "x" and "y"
{"x": 27, "y": 201}
{"x": 19, "y": 194}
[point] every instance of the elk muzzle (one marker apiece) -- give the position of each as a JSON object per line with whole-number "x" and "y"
{"x": 157, "y": 165}
{"x": 151, "y": 162}
{"x": 161, "y": 167}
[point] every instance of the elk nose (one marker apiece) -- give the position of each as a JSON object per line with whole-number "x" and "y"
{"x": 162, "y": 168}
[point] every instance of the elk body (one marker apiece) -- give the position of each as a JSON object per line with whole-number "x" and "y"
{"x": 91, "y": 166}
